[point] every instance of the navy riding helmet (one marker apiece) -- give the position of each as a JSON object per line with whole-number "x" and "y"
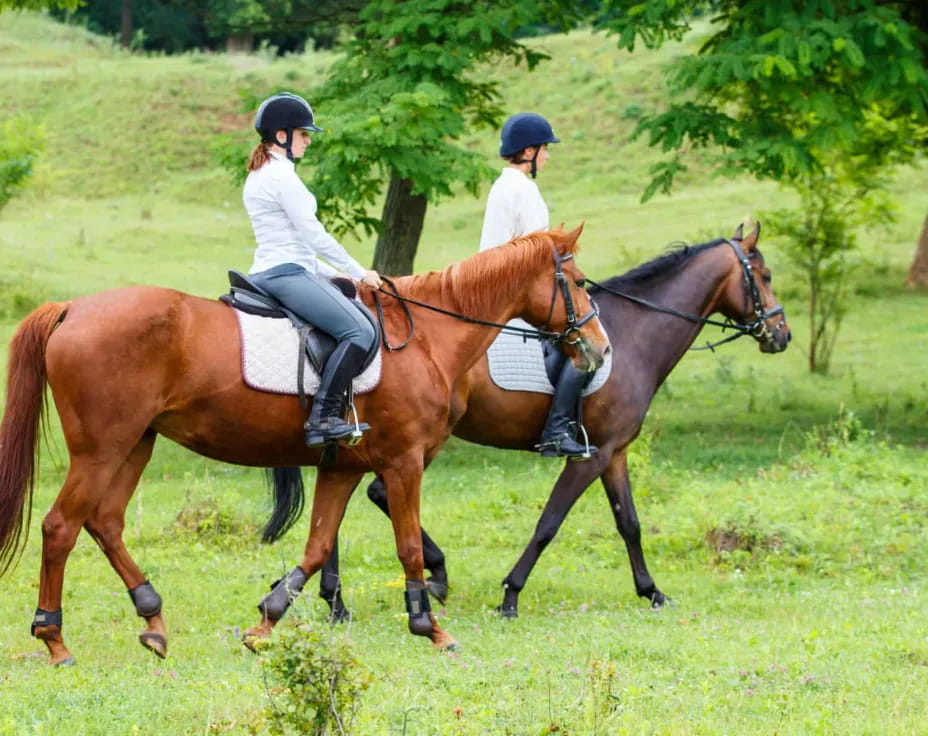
{"x": 284, "y": 111}
{"x": 523, "y": 130}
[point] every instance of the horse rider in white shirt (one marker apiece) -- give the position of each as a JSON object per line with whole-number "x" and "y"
{"x": 515, "y": 207}
{"x": 286, "y": 263}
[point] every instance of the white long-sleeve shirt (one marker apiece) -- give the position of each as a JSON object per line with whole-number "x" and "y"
{"x": 514, "y": 208}
{"x": 283, "y": 215}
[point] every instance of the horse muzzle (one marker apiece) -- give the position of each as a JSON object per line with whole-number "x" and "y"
{"x": 589, "y": 358}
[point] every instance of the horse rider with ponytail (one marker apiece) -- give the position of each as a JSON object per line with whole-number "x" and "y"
{"x": 515, "y": 207}
{"x": 287, "y": 263}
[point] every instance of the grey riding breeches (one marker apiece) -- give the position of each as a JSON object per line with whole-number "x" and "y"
{"x": 318, "y": 301}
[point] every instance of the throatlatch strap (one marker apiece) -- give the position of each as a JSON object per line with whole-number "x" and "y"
{"x": 275, "y": 604}
{"x": 147, "y": 602}
{"x": 45, "y": 618}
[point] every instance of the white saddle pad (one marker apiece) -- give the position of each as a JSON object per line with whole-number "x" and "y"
{"x": 519, "y": 365}
{"x": 270, "y": 347}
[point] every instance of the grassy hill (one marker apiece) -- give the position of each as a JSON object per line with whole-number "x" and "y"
{"x": 813, "y": 623}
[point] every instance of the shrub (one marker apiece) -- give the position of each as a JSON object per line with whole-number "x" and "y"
{"x": 21, "y": 142}
{"x": 315, "y": 681}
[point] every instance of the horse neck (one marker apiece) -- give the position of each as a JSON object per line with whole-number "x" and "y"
{"x": 486, "y": 291}
{"x": 659, "y": 340}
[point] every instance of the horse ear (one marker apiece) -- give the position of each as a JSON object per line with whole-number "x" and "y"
{"x": 572, "y": 237}
{"x": 750, "y": 242}
{"x": 739, "y": 233}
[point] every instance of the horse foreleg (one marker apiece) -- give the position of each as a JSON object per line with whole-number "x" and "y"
{"x": 432, "y": 556}
{"x": 574, "y": 479}
{"x": 80, "y": 494}
{"x": 403, "y": 483}
{"x": 619, "y": 492}
{"x": 333, "y": 489}
{"x": 106, "y": 524}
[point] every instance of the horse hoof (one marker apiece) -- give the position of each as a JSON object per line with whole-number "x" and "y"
{"x": 507, "y": 611}
{"x": 659, "y": 600}
{"x": 69, "y": 662}
{"x": 255, "y": 641}
{"x": 340, "y": 616}
{"x": 452, "y": 648}
{"x": 439, "y": 591}
{"x": 154, "y": 642}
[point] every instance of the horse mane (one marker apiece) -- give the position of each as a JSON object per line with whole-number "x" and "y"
{"x": 658, "y": 267}
{"x": 504, "y": 264}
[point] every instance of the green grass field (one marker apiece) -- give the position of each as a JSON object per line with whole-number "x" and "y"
{"x": 808, "y": 620}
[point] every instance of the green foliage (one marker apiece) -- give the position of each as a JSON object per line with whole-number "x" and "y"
{"x": 39, "y": 4}
{"x": 408, "y": 87}
{"x": 821, "y": 240}
{"x": 21, "y": 142}
{"x": 781, "y": 83}
{"x": 316, "y": 681}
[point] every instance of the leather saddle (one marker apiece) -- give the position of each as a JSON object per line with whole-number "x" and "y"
{"x": 247, "y": 296}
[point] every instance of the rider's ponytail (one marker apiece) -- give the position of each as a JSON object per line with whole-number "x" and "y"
{"x": 259, "y": 156}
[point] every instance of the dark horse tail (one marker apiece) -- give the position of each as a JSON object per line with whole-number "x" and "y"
{"x": 19, "y": 432}
{"x": 288, "y": 502}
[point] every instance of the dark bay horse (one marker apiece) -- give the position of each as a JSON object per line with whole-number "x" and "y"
{"x": 127, "y": 365}
{"x": 650, "y": 328}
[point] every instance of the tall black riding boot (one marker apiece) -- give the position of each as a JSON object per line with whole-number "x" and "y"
{"x": 326, "y": 421}
{"x": 559, "y": 436}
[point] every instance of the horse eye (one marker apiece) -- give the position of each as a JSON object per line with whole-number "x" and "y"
{"x": 580, "y": 282}
{"x": 768, "y": 279}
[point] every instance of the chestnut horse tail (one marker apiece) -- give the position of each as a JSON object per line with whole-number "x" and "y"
{"x": 19, "y": 432}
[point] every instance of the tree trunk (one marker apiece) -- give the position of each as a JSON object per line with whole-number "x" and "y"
{"x": 918, "y": 271}
{"x": 403, "y": 216}
{"x": 240, "y": 43}
{"x": 125, "y": 24}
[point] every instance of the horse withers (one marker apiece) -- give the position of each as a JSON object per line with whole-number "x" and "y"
{"x": 127, "y": 365}
{"x": 652, "y": 315}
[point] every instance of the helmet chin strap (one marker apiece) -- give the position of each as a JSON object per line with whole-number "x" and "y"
{"x": 289, "y": 143}
{"x": 533, "y": 161}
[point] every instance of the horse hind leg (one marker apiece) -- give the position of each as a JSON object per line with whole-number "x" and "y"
{"x": 83, "y": 490}
{"x": 106, "y": 524}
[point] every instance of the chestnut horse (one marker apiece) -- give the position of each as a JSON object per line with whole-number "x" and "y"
{"x": 129, "y": 364}
{"x": 652, "y": 315}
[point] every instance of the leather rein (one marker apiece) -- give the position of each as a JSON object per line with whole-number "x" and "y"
{"x": 756, "y": 328}
{"x": 570, "y": 335}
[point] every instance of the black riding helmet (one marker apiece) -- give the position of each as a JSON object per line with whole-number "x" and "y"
{"x": 284, "y": 111}
{"x": 524, "y": 130}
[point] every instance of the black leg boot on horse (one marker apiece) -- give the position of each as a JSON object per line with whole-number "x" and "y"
{"x": 326, "y": 423}
{"x": 558, "y": 439}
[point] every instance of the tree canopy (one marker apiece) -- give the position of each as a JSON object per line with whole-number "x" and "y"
{"x": 782, "y": 81}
